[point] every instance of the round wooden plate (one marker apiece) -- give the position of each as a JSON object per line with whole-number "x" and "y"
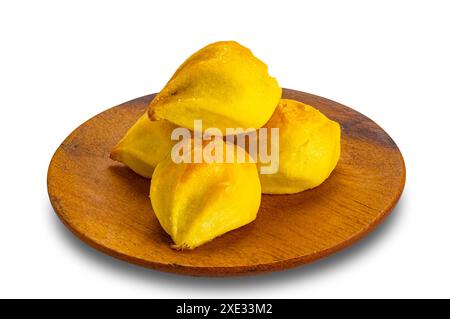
{"x": 107, "y": 205}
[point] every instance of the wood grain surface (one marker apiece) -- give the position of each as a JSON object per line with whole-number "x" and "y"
{"x": 106, "y": 205}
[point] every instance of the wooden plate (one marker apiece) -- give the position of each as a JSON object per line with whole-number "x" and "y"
{"x": 106, "y": 205}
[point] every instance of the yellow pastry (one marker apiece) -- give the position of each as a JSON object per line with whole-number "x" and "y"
{"x": 144, "y": 145}
{"x": 224, "y": 85}
{"x": 196, "y": 202}
{"x": 309, "y": 148}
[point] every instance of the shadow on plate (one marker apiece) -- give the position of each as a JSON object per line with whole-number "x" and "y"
{"x": 309, "y": 271}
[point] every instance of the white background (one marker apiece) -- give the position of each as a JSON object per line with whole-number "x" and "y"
{"x": 62, "y": 63}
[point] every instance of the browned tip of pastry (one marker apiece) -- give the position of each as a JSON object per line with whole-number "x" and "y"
{"x": 151, "y": 113}
{"x": 114, "y": 154}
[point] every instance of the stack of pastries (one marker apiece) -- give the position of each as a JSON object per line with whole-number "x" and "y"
{"x": 225, "y": 86}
